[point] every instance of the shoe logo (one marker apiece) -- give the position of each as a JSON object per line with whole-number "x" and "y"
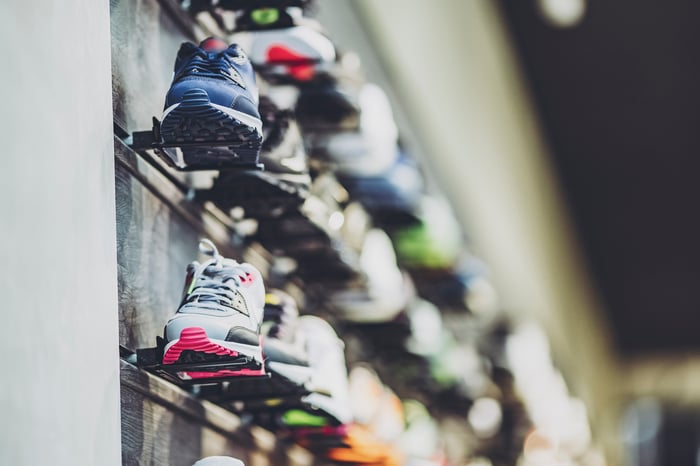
{"x": 247, "y": 279}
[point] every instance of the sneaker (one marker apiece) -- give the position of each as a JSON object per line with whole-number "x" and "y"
{"x": 282, "y": 186}
{"x": 434, "y": 243}
{"x": 313, "y": 235}
{"x": 307, "y": 351}
{"x": 273, "y": 14}
{"x": 360, "y": 445}
{"x": 260, "y": 11}
{"x": 369, "y": 150}
{"x": 391, "y": 198}
{"x": 219, "y": 461}
{"x": 452, "y": 362}
{"x": 306, "y": 363}
{"x": 219, "y": 318}
{"x": 290, "y": 55}
{"x": 211, "y": 116}
{"x": 421, "y": 439}
{"x": 285, "y": 354}
{"x": 464, "y": 287}
{"x": 330, "y": 102}
{"x": 375, "y": 405}
{"x": 281, "y": 316}
{"x": 378, "y": 425}
{"x": 326, "y": 353}
{"x": 386, "y": 291}
{"x": 428, "y": 334}
{"x": 283, "y": 148}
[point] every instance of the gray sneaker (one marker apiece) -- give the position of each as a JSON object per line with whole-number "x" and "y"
{"x": 219, "y": 317}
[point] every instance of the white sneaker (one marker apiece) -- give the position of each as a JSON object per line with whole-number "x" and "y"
{"x": 219, "y": 461}
{"x": 373, "y": 148}
{"x": 387, "y": 291}
{"x": 294, "y": 53}
{"x": 307, "y": 351}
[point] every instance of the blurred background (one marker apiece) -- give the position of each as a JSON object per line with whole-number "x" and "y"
{"x": 560, "y": 132}
{"x": 563, "y": 132}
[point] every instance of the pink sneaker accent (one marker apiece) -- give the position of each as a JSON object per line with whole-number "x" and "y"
{"x": 195, "y": 339}
{"x": 298, "y": 66}
{"x": 224, "y": 373}
{"x": 247, "y": 279}
{"x": 213, "y": 44}
{"x": 330, "y": 431}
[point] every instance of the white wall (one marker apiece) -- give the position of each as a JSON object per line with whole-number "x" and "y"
{"x": 59, "y": 389}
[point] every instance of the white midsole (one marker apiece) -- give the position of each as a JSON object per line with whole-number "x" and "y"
{"x": 302, "y": 375}
{"x": 254, "y": 352}
{"x": 168, "y": 110}
{"x": 297, "y": 374}
{"x": 240, "y": 116}
{"x": 330, "y": 406}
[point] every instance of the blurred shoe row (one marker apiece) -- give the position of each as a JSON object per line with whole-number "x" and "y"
{"x": 306, "y": 149}
{"x": 214, "y": 119}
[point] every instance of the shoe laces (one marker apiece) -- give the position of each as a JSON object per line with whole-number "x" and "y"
{"x": 215, "y": 282}
{"x": 213, "y": 65}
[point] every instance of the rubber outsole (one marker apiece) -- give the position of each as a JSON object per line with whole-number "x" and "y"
{"x": 194, "y": 346}
{"x": 262, "y": 394}
{"x": 210, "y": 137}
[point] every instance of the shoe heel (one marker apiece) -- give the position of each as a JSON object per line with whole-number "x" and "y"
{"x": 207, "y": 359}
{"x": 195, "y": 99}
{"x": 195, "y": 339}
{"x": 196, "y": 135}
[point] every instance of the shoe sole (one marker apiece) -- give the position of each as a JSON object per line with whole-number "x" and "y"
{"x": 195, "y": 346}
{"x": 288, "y": 387}
{"x": 199, "y": 135}
{"x": 259, "y": 395}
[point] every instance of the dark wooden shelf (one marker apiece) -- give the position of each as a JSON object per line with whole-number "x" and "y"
{"x": 158, "y": 229}
{"x": 163, "y": 424}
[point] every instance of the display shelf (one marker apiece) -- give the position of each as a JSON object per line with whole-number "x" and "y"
{"x": 157, "y": 233}
{"x": 158, "y": 229}
{"x": 163, "y": 424}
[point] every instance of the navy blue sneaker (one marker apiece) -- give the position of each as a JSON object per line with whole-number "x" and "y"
{"x": 391, "y": 198}
{"x": 211, "y": 116}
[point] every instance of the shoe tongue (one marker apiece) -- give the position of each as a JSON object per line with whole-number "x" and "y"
{"x": 219, "y": 271}
{"x": 224, "y": 272}
{"x": 213, "y": 44}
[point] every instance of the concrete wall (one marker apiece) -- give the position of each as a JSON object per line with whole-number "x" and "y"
{"x": 59, "y": 396}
